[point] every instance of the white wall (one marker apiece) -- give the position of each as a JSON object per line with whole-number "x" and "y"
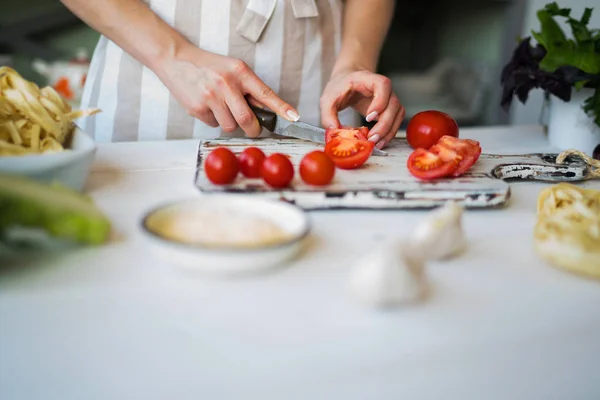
{"x": 530, "y": 113}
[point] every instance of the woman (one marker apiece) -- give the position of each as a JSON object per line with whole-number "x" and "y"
{"x": 173, "y": 69}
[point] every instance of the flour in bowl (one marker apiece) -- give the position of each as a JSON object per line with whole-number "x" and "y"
{"x": 222, "y": 228}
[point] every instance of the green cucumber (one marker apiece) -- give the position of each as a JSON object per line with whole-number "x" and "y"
{"x": 58, "y": 210}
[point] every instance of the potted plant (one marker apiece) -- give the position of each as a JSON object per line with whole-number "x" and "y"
{"x": 568, "y": 70}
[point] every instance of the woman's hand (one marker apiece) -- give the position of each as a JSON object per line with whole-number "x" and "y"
{"x": 368, "y": 93}
{"x": 216, "y": 89}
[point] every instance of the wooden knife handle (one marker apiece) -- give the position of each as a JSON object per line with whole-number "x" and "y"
{"x": 266, "y": 118}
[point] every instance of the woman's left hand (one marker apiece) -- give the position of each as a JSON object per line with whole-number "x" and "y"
{"x": 368, "y": 93}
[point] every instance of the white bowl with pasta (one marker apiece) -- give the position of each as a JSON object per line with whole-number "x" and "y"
{"x": 38, "y": 138}
{"x": 69, "y": 167}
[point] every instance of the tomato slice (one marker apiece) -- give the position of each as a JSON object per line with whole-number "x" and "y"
{"x": 470, "y": 150}
{"x": 447, "y": 154}
{"x": 349, "y": 153}
{"x": 426, "y": 165}
{"x": 461, "y": 145}
{"x": 361, "y": 133}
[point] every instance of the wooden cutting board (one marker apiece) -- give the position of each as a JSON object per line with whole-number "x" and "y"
{"x": 385, "y": 183}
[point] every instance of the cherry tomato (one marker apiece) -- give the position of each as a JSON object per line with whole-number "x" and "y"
{"x": 469, "y": 150}
{"x": 251, "y": 160}
{"x": 221, "y": 166}
{"x": 316, "y": 168}
{"x": 348, "y": 153}
{"x": 427, "y": 127}
{"x": 361, "y": 133}
{"x": 425, "y": 165}
{"x": 277, "y": 170}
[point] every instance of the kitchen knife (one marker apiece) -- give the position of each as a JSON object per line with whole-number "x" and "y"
{"x": 299, "y": 130}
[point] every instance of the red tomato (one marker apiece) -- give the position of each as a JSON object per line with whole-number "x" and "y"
{"x": 277, "y": 170}
{"x": 251, "y": 160}
{"x": 426, "y": 165}
{"x": 470, "y": 150}
{"x": 361, "y": 133}
{"x": 63, "y": 87}
{"x": 348, "y": 153}
{"x": 316, "y": 168}
{"x": 427, "y": 127}
{"x": 221, "y": 166}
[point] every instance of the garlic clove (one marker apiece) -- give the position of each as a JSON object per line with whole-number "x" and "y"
{"x": 440, "y": 236}
{"x": 390, "y": 275}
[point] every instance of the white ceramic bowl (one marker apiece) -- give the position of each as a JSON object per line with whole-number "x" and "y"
{"x": 70, "y": 167}
{"x": 227, "y": 261}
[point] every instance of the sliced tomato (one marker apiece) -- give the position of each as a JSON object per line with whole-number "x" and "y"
{"x": 470, "y": 150}
{"x": 361, "y": 133}
{"x": 426, "y": 165}
{"x": 447, "y": 154}
{"x": 349, "y": 153}
{"x": 461, "y": 145}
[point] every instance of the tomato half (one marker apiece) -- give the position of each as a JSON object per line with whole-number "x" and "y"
{"x": 348, "y": 153}
{"x": 470, "y": 150}
{"x": 316, "y": 168}
{"x": 461, "y": 145}
{"x": 277, "y": 170}
{"x": 251, "y": 160}
{"x": 427, "y": 127}
{"x": 221, "y": 166}
{"x": 447, "y": 154}
{"x": 425, "y": 165}
{"x": 361, "y": 133}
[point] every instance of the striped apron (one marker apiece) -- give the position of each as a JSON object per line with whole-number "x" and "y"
{"x": 290, "y": 44}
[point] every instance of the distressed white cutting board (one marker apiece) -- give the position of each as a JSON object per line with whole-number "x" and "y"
{"x": 383, "y": 182}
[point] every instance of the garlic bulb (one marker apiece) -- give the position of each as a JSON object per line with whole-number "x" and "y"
{"x": 390, "y": 275}
{"x": 441, "y": 235}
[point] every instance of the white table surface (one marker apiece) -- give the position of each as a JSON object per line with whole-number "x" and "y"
{"x": 116, "y": 323}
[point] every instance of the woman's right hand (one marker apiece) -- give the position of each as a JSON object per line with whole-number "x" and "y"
{"x": 216, "y": 89}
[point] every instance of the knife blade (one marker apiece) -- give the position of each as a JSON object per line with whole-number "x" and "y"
{"x": 298, "y": 130}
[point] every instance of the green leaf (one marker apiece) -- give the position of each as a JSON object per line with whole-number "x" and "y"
{"x": 587, "y": 15}
{"x": 579, "y": 28}
{"x": 558, "y": 57}
{"x": 551, "y": 34}
{"x": 596, "y": 40}
{"x": 592, "y": 106}
{"x": 554, "y": 10}
{"x": 580, "y": 84}
{"x": 539, "y": 38}
{"x": 580, "y": 31}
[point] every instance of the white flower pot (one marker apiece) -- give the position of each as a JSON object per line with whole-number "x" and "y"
{"x": 569, "y": 127}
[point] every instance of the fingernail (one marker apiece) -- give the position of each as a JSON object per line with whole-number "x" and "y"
{"x": 372, "y": 116}
{"x": 293, "y": 115}
{"x": 380, "y": 145}
{"x": 375, "y": 138}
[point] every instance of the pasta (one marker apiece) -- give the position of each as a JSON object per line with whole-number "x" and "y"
{"x": 567, "y": 233}
{"x": 33, "y": 120}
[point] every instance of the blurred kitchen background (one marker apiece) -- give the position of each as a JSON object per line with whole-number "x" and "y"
{"x": 440, "y": 54}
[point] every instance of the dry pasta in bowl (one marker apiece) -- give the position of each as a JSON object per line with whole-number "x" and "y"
{"x": 33, "y": 120}
{"x": 567, "y": 233}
